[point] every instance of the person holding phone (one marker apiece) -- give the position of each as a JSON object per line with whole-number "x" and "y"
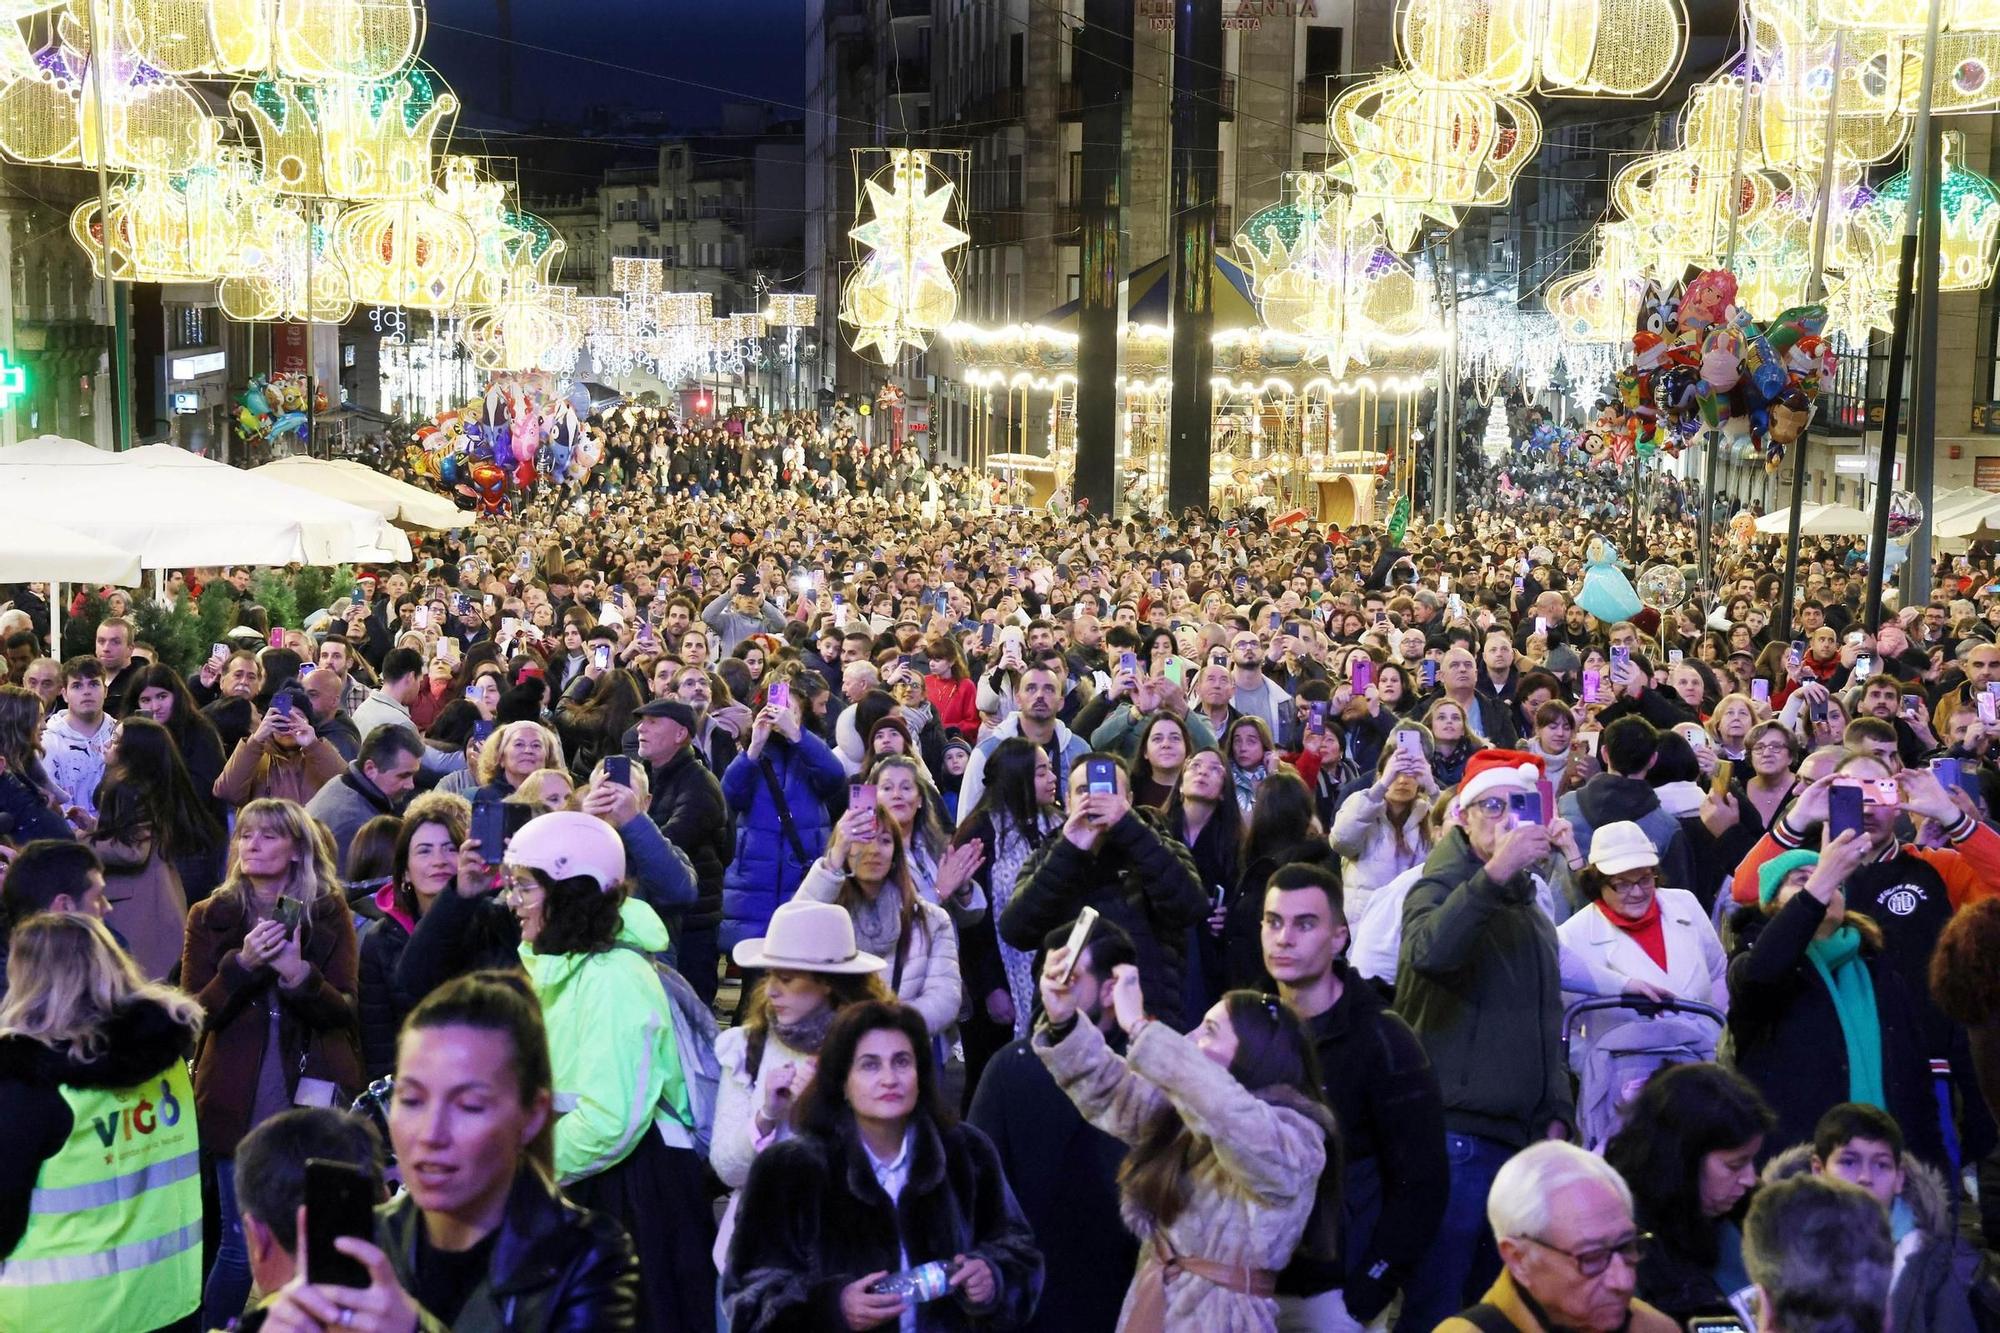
{"x": 282, "y": 759}
{"x": 84, "y": 1036}
{"x": 1232, "y": 1170}
{"x": 879, "y": 1177}
{"x": 271, "y": 956}
{"x": 948, "y": 685}
{"x": 481, "y": 1240}
{"x": 1810, "y": 973}
{"x": 1379, "y": 830}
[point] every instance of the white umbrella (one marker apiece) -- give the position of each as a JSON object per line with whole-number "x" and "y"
{"x": 1819, "y": 520}
{"x": 343, "y": 479}
{"x": 32, "y": 551}
{"x": 176, "y": 509}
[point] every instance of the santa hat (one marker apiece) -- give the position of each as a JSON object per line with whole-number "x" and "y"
{"x": 1497, "y": 770}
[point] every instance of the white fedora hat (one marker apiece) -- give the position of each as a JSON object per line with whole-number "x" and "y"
{"x": 807, "y": 936}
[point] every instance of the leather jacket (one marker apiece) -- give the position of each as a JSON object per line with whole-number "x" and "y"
{"x": 556, "y": 1268}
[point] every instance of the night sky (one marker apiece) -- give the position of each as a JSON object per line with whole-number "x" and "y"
{"x": 576, "y": 55}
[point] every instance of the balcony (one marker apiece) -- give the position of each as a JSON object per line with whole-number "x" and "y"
{"x": 1226, "y": 98}
{"x": 1312, "y": 100}
{"x": 1069, "y": 99}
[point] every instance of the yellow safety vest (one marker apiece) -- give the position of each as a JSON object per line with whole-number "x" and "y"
{"x": 114, "y": 1225}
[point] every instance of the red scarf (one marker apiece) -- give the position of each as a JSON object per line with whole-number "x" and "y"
{"x": 1645, "y": 932}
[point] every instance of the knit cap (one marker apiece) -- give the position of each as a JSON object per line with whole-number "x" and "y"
{"x": 1772, "y": 873}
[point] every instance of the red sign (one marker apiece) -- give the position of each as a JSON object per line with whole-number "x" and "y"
{"x": 291, "y": 349}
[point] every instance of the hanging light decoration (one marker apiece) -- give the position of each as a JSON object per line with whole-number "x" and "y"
{"x": 1968, "y": 224}
{"x": 903, "y": 290}
{"x": 349, "y": 140}
{"x": 1560, "y": 48}
{"x": 301, "y": 39}
{"x": 791, "y": 310}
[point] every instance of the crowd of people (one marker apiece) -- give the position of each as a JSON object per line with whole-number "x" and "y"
{"x": 713, "y": 899}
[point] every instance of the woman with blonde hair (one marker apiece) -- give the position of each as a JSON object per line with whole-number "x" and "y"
{"x": 271, "y": 956}
{"x": 545, "y": 789}
{"x": 512, "y": 752}
{"x": 85, "y": 1038}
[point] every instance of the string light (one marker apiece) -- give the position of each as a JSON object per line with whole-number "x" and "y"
{"x": 1586, "y": 48}
{"x": 1968, "y": 224}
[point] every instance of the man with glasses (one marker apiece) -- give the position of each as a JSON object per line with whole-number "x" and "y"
{"x": 1569, "y": 1246}
{"x": 1478, "y": 980}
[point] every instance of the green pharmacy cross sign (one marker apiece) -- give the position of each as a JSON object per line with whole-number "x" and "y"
{"x": 13, "y": 381}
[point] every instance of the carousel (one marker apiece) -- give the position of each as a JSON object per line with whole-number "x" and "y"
{"x": 1323, "y": 347}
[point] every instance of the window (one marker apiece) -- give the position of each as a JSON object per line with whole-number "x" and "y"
{"x": 190, "y": 327}
{"x": 1323, "y": 51}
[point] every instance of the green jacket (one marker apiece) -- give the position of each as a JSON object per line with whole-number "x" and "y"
{"x": 611, "y": 1042}
{"x": 1479, "y": 982}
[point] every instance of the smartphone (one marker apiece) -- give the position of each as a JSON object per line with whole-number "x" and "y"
{"x": 1717, "y": 1324}
{"x": 1527, "y": 806}
{"x": 1541, "y": 625}
{"x": 281, "y": 703}
{"x": 1156, "y": 578}
{"x": 1316, "y": 718}
{"x": 489, "y": 826}
{"x": 780, "y": 694}
{"x": 1079, "y": 935}
{"x": 1760, "y": 690}
{"x": 421, "y": 618}
{"x": 1101, "y": 778}
{"x": 1621, "y": 655}
{"x": 1277, "y": 620}
{"x": 1291, "y": 627}
{"x": 1444, "y": 583}
{"x": 1725, "y": 772}
{"x": 287, "y": 912}
{"x": 601, "y": 655}
{"x": 1798, "y": 651}
{"x": 1128, "y": 663}
{"x": 277, "y": 638}
{"x": 1913, "y": 703}
{"x": 1588, "y": 740}
{"x": 1817, "y": 710}
{"x": 1949, "y": 772}
{"x": 471, "y": 691}
{"x": 1674, "y": 657}
{"x": 861, "y": 796}
{"x": 1361, "y": 672}
{"x": 482, "y": 731}
{"x": 1172, "y": 671}
{"x": 986, "y": 630}
{"x": 1864, "y": 667}
{"x": 340, "y": 1201}
{"x": 1428, "y": 674}
{"x": 1411, "y": 743}
{"x": 1593, "y": 681}
{"x": 1843, "y": 808}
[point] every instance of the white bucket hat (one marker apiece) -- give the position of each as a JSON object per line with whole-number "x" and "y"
{"x": 808, "y": 937}
{"x": 1617, "y": 848}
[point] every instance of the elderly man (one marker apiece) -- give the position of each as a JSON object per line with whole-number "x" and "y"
{"x": 1819, "y": 1252}
{"x": 1569, "y": 1246}
{"x": 1458, "y": 679}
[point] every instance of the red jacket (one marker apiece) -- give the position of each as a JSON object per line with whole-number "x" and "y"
{"x": 956, "y": 700}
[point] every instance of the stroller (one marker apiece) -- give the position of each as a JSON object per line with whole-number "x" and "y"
{"x": 1613, "y": 1053}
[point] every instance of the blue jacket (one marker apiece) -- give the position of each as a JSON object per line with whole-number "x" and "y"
{"x": 765, "y": 871}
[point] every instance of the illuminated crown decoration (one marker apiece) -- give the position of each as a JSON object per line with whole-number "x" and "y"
{"x": 404, "y": 253}
{"x": 178, "y": 228}
{"x": 1968, "y": 218}
{"x": 1595, "y": 306}
{"x": 268, "y": 276}
{"x": 1414, "y": 148}
{"x": 300, "y": 39}
{"x": 1885, "y": 50}
{"x": 1561, "y": 48}
{"x": 48, "y": 113}
{"x": 903, "y": 290}
{"x": 1313, "y": 262}
{"x": 343, "y": 140}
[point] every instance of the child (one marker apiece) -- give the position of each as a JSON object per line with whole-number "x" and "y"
{"x": 1936, "y": 1272}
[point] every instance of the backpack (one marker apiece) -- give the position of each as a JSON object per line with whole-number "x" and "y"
{"x": 695, "y": 1032}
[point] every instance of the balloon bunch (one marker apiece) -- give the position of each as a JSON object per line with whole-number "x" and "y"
{"x": 519, "y": 431}
{"x": 273, "y": 406}
{"x": 1700, "y": 363}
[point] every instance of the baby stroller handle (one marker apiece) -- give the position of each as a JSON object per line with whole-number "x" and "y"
{"x": 1639, "y": 1004}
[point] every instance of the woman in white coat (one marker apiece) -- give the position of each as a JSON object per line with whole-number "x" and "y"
{"x": 1633, "y": 937}
{"x": 1379, "y": 830}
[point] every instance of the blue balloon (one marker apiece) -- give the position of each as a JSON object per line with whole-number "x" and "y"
{"x": 291, "y": 421}
{"x": 253, "y": 398}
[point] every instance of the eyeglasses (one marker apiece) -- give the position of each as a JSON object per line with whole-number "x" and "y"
{"x": 1771, "y": 747}
{"x": 1631, "y": 883}
{"x": 1492, "y": 807}
{"x": 1592, "y": 1262}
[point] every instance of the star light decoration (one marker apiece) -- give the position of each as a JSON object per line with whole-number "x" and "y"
{"x": 903, "y": 291}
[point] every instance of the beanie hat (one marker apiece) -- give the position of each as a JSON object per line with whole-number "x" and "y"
{"x": 1772, "y": 873}
{"x": 1497, "y": 770}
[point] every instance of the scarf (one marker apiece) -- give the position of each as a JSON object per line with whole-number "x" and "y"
{"x": 1247, "y": 780}
{"x": 1645, "y": 932}
{"x": 1838, "y": 961}
{"x": 808, "y": 1034}
{"x": 1010, "y": 853}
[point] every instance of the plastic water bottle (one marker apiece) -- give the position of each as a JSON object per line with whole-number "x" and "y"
{"x": 926, "y": 1283}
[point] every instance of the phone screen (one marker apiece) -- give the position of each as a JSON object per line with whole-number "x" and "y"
{"x": 1843, "y": 808}
{"x": 1621, "y": 655}
{"x": 340, "y": 1201}
{"x": 1276, "y": 621}
{"x": 780, "y": 695}
{"x": 489, "y": 826}
{"x": 1128, "y": 663}
{"x": 1079, "y": 935}
{"x": 601, "y": 654}
{"x": 1592, "y": 682}
{"x": 1102, "y": 777}
{"x": 1316, "y": 718}
{"x": 1760, "y": 690}
{"x": 1428, "y": 673}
